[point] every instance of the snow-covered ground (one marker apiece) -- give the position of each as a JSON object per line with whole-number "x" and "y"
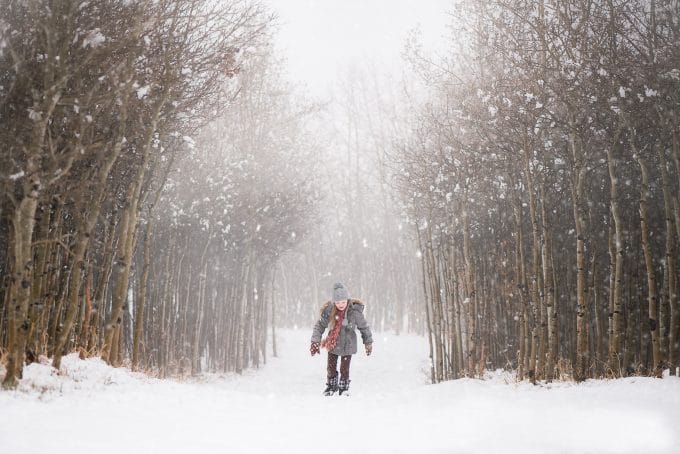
{"x": 279, "y": 408}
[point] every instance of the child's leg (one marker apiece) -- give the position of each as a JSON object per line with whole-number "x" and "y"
{"x": 344, "y": 368}
{"x": 332, "y": 366}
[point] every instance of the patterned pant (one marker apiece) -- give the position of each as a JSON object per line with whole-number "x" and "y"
{"x": 332, "y": 368}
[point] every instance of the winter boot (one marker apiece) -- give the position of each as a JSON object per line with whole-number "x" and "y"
{"x": 343, "y": 388}
{"x": 331, "y": 386}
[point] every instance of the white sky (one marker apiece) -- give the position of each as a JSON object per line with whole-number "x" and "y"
{"x": 321, "y": 37}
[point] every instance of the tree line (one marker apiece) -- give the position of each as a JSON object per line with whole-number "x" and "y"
{"x": 142, "y": 182}
{"x": 361, "y": 237}
{"x": 542, "y": 179}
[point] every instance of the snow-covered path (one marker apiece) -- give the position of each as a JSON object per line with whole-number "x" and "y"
{"x": 279, "y": 408}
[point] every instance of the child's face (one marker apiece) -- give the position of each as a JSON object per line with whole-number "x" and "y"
{"x": 341, "y": 304}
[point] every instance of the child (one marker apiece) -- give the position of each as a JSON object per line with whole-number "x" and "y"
{"x": 341, "y": 315}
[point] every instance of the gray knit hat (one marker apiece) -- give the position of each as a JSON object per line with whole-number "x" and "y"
{"x": 339, "y": 292}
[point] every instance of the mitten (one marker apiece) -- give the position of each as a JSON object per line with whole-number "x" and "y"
{"x": 369, "y": 349}
{"x": 314, "y": 348}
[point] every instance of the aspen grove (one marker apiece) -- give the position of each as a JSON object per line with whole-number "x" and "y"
{"x": 542, "y": 179}
{"x": 125, "y": 231}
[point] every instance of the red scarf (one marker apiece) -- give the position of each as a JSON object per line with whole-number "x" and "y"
{"x": 329, "y": 342}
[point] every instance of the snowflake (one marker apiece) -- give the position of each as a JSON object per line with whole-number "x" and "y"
{"x": 94, "y": 38}
{"x": 143, "y": 91}
{"x": 34, "y": 115}
{"x": 650, "y": 92}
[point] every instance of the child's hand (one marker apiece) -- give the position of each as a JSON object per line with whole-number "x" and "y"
{"x": 369, "y": 349}
{"x": 314, "y": 348}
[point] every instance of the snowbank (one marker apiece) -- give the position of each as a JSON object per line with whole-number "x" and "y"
{"x": 76, "y": 375}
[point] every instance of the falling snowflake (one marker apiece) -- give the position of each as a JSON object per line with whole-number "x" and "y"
{"x": 650, "y": 92}
{"x": 34, "y": 115}
{"x": 143, "y": 91}
{"x": 16, "y": 176}
{"x": 93, "y": 38}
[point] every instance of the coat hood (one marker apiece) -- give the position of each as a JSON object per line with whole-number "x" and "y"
{"x": 353, "y": 304}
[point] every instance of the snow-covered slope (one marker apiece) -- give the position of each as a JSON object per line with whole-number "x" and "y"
{"x": 279, "y": 408}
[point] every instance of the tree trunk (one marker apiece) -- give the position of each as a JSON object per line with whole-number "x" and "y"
{"x": 42, "y": 253}
{"x": 273, "y": 311}
{"x": 520, "y": 282}
{"x": 582, "y": 359}
{"x": 651, "y": 279}
{"x": 18, "y": 323}
{"x": 202, "y": 279}
{"x": 669, "y": 266}
{"x": 470, "y": 293}
{"x": 536, "y": 365}
{"x": 141, "y": 298}
{"x": 616, "y": 265}
{"x": 435, "y": 308}
{"x": 428, "y": 312}
{"x": 549, "y": 291}
{"x": 122, "y": 268}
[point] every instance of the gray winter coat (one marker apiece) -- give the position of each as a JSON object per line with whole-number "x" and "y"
{"x": 347, "y": 338}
